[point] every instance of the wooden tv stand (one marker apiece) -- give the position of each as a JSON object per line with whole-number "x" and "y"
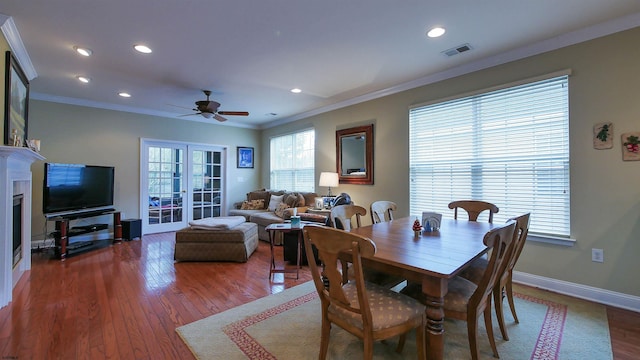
{"x": 63, "y": 233}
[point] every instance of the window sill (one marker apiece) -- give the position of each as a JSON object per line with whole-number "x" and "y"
{"x": 551, "y": 240}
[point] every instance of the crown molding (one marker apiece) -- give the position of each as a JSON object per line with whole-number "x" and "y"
{"x": 10, "y": 33}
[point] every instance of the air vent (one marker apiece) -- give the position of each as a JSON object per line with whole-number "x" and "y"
{"x": 457, "y": 50}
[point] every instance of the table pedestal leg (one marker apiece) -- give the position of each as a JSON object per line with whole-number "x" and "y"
{"x": 434, "y": 290}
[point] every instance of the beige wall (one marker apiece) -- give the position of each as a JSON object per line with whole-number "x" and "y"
{"x": 605, "y": 208}
{"x": 76, "y": 134}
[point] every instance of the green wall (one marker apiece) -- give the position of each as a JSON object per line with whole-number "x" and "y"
{"x": 77, "y": 134}
{"x": 605, "y": 208}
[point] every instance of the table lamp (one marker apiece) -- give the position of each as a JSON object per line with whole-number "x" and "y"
{"x": 328, "y": 179}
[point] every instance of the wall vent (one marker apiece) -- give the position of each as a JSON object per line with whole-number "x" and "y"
{"x": 457, "y": 50}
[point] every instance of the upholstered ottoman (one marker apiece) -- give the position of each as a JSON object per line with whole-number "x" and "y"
{"x": 234, "y": 244}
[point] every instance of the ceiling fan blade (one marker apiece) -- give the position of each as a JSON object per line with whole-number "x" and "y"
{"x": 219, "y": 118}
{"x": 234, "y": 113}
{"x": 189, "y": 114}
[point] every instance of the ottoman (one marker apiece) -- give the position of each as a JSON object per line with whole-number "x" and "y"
{"x": 235, "y": 244}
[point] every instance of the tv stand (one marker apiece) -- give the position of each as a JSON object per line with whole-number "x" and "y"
{"x": 63, "y": 232}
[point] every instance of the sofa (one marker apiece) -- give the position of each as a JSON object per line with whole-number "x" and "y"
{"x": 259, "y": 208}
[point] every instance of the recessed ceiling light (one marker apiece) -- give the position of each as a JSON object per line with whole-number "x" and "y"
{"x": 124, "y": 94}
{"x": 436, "y": 32}
{"x": 83, "y": 51}
{"x": 83, "y": 79}
{"x": 296, "y": 91}
{"x": 142, "y": 48}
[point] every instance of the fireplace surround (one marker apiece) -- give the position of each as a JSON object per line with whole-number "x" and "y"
{"x": 15, "y": 179}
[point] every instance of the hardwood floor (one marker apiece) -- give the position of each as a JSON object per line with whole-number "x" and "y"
{"x": 125, "y": 301}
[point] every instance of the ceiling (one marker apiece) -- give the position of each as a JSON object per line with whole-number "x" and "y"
{"x": 250, "y": 54}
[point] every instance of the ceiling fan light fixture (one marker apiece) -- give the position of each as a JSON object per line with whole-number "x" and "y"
{"x": 436, "y": 32}
{"x": 207, "y": 115}
{"x": 142, "y": 49}
{"x": 83, "y": 51}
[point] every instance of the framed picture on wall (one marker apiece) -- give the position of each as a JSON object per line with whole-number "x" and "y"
{"x": 245, "y": 157}
{"x": 16, "y": 103}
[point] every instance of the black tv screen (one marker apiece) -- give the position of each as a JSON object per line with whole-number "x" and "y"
{"x": 76, "y": 187}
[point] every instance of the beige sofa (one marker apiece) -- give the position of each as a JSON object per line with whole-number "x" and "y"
{"x": 263, "y": 217}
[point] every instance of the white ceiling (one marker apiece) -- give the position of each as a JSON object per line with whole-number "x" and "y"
{"x": 251, "y": 53}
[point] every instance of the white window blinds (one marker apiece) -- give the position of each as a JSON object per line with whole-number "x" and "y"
{"x": 292, "y": 161}
{"x": 509, "y": 147}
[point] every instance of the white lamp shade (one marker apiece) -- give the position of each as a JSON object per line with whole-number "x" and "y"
{"x": 329, "y": 179}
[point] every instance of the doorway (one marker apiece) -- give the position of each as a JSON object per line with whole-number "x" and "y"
{"x": 180, "y": 182}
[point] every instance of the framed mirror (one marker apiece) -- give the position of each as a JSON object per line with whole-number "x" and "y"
{"x": 354, "y": 155}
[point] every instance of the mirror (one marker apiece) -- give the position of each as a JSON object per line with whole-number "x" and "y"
{"x": 354, "y": 155}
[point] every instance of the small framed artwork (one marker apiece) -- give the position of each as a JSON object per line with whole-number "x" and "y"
{"x": 245, "y": 157}
{"x": 631, "y": 146}
{"x": 16, "y": 102}
{"x": 603, "y": 136}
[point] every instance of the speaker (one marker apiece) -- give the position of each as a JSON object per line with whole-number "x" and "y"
{"x": 131, "y": 228}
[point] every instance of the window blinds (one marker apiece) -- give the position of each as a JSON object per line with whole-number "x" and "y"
{"x": 292, "y": 161}
{"x": 509, "y": 147}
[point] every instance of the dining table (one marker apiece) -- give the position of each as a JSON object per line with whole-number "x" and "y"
{"x": 428, "y": 258}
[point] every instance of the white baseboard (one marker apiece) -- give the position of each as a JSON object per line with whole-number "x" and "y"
{"x": 598, "y": 295}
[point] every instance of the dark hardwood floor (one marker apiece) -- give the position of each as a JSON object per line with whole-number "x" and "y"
{"x": 125, "y": 301}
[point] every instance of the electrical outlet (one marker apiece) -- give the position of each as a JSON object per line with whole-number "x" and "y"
{"x": 597, "y": 255}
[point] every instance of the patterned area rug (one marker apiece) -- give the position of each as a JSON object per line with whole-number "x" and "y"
{"x": 287, "y": 326}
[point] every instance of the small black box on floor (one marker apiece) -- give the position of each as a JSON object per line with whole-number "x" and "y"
{"x": 131, "y": 228}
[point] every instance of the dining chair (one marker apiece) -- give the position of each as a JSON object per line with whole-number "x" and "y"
{"x": 467, "y": 300}
{"x": 473, "y": 208}
{"x": 343, "y": 216}
{"x": 347, "y": 217}
{"x": 504, "y": 285}
{"x": 364, "y": 309}
{"x": 382, "y": 211}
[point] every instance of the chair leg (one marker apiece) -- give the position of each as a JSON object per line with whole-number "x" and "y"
{"x": 421, "y": 341}
{"x": 472, "y": 330}
{"x": 497, "y": 298}
{"x": 489, "y": 325}
{"x": 368, "y": 347}
{"x": 509, "y": 287}
{"x": 324, "y": 339}
{"x": 401, "y": 342}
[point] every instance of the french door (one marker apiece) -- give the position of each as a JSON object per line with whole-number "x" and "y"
{"x": 179, "y": 183}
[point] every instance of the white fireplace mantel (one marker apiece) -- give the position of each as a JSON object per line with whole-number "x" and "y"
{"x": 15, "y": 179}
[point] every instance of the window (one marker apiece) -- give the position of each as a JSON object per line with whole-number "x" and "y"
{"x": 292, "y": 161}
{"x": 509, "y": 147}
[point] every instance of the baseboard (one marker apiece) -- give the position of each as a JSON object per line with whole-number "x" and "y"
{"x": 598, "y": 295}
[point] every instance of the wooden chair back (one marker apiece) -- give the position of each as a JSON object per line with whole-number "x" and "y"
{"x": 473, "y": 208}
{"x": 382, "y": 211}
{"x": 342, "y": 216}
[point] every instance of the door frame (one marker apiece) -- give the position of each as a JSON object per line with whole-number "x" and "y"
{"x": 187, "y": 181}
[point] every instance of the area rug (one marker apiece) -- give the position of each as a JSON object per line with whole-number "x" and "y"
{"x": 287, "y": 326}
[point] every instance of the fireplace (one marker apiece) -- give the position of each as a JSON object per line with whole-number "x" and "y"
{"x": 15, "y": 217}
{"x": 17, "y": 228}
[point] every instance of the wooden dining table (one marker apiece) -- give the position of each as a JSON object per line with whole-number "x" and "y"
{"x": 431, "y": 259}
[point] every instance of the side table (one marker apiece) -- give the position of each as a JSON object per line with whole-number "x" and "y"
{"x": 283, "y": 228}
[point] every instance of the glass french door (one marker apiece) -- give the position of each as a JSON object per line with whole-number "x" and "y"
{"x": 179, "y": 183}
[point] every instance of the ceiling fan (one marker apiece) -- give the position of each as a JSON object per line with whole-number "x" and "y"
{"x": 209, "y": 108}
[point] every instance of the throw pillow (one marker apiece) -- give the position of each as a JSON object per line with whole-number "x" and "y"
{"x": 259, "y": 194}
{"x": 290, "y": 199}
{"x": 257, "y": 204}
{"x": 274, "y": 202}
{"x": 280, "y": 210}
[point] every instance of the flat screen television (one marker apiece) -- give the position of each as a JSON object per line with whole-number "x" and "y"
{"x": 69, "y": 188}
